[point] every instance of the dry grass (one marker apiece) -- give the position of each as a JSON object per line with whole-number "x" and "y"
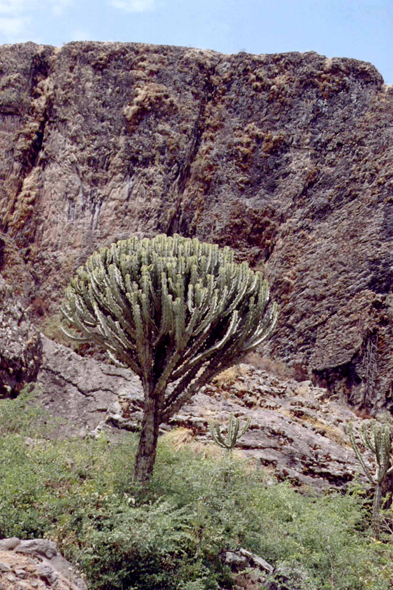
{"x": 181, "y": 438}
{"x": 331, "y": 432}
{"x": 230, "y": 375}
{"x": 328, "y": 430}
{"x": 276, "y": 367}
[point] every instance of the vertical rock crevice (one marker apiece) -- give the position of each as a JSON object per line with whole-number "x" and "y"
{"x": 22, "y": 185}
{"x": 176, "y": 223}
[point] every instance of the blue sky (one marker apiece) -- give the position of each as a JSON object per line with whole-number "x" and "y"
{"x": 362, "y": 29}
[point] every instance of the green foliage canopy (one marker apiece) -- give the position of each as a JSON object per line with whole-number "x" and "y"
{"x": 172, "y": 309}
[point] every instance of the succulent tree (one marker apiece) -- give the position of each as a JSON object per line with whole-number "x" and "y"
{"x": 377, "y": 438}
{"x": 176, "y": 312}
{"x": 234, "y": 432}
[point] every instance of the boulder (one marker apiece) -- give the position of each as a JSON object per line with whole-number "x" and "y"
{"x": 38, "y": 563}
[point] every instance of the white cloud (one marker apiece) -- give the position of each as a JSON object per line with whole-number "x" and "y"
{"x": 21, "y": 7}
{"x": 133, "y": 5}
{"x": 60, "y": 6}
{"x": 13, "y": 29}
{"x": 80, "y": 35}
{"x": 14, "y": 7}
{"x": 16, "y": 17}
{"x": 14, "y": 20}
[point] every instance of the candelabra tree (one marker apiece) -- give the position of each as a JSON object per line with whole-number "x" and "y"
{"x": 377, "y": 438}
{"x": 174, "y": 310}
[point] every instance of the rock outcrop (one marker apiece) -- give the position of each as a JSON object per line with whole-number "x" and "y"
{"x": 20, "y": 344}
{"x": 287, "y": 158}
{"x": 296, "y": 430}
{"x": 35, "y": 564}
{"x": 79, "y": 389}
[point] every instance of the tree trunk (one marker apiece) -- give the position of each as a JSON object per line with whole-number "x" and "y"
{"x": 146, "y": 454}
{"x": 376, "y": 517}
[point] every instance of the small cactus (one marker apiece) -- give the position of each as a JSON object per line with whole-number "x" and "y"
{"x": 377, "y": 438}
{"x": 234, "y": 432}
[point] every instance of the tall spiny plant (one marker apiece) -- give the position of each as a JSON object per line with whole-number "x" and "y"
{"x": 234, "y": 432}
{"x": 377, "y": 438}
{"x": 176, "y": 312}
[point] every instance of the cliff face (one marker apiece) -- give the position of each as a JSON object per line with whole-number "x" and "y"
{"x": 286, "y": 158}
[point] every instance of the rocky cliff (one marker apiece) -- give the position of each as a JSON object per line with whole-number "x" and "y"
{"x": 287, "y": 158}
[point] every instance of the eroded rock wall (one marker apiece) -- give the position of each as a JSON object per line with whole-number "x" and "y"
{"x": 287, "y": 158}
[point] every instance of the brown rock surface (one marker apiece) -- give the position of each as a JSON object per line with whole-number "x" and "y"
{"x": 20, "y": 344}
{"x": 296, "y": 430}
{"x": 287, "y": 158}
{"x": 35, "y": 565}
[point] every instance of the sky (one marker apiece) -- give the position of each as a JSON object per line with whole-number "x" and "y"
{"x": 361, "y": 29}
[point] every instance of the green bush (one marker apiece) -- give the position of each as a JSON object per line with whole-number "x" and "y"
{"x": 171, "y": 536}
{"x": 20, "y": 415}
